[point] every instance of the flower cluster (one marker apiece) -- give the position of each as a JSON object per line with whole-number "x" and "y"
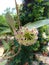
{"x": 26, "y": 36}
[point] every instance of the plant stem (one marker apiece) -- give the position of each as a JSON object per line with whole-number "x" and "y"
{"x": 17, "y": 10}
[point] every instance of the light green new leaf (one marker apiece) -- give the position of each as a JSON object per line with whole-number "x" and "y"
{"x": 37, "y": 24}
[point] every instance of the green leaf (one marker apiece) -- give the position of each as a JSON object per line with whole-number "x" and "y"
{"x": 6, "y": 45}
{"x": 4, "y": 62}
{"x": 39, "y": 1}
{"x": 46, "y": 3}
{"x": 10, "y": 21}
{"x": 29, "y": 4}
{"x": 5, "y": 31}
{"x": 37, "y": 24}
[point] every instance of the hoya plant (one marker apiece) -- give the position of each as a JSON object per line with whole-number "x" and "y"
{"x": 23, "y": 42}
